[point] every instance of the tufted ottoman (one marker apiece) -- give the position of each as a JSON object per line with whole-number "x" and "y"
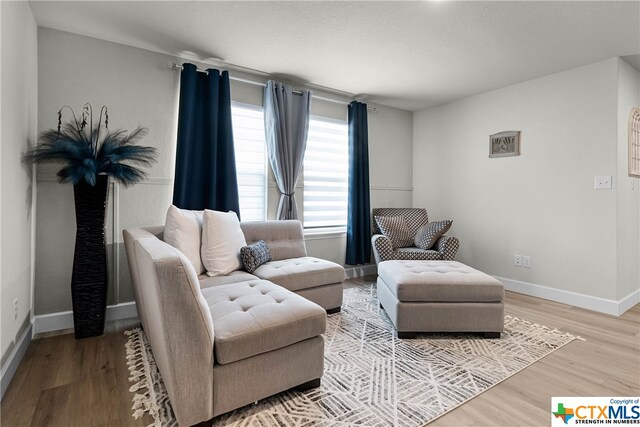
{"x": 440, "y": 296}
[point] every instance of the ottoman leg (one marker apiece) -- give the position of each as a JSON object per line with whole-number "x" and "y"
{"x": 406, "y": 335}
{"x": 492, "y": 334}
{"x": 308, "y": 385}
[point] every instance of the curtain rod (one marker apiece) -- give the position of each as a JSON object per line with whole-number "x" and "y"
{"x": 176, "y": 66}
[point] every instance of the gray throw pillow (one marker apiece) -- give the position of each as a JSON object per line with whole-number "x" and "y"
{"x": 396, "y": 229}
{"x": 254, "y": 255}
{"x": 428, "y": 234}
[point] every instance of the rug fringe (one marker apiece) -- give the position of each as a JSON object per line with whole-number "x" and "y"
{"x": 547, "y": 329}
{"x": 140, "y": 364}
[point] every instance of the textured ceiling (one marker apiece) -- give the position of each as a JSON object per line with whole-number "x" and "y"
{"x": 409, "y": 55}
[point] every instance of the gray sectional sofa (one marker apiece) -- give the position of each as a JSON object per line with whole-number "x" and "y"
{"x": 223, "y": 342}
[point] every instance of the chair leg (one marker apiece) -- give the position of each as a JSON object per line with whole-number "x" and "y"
{"x": 334, "y": 310}
{"x": 308, "y": 385}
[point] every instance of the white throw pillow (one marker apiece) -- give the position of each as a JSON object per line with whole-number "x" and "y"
{"x": 222, "y": 239}
{"x": 183, "y": 231}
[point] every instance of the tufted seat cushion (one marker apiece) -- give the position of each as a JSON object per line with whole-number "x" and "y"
{"x": 439, "y": 281}
{"x": 257, "y": 316}
{"x": 416, "y": 254}
{"x": 297, "y": 274}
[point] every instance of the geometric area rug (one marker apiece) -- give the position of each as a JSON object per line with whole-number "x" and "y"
{"x": 371, "y": 378}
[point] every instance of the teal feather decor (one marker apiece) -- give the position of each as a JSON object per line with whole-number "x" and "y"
{"x": 87, "y": 150}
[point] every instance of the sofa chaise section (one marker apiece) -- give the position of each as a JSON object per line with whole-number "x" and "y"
{"x": 315, "y": 279}
{"x": 257, "y": 316}
{"x": 215, "y": 346}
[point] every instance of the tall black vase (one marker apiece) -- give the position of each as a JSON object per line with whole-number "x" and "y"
{"x": 89, "y": 280}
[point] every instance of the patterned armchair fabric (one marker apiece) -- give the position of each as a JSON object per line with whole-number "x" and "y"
{"x": 444, "y": 249}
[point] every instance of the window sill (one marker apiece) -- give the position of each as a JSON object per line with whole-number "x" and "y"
{"x": 325, "y": 233}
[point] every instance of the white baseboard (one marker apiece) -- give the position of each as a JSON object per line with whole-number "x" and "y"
{"x": 126, "y": 310}
{"x": 11, "y": 366}
{"x": 629, "y": 301}
{"x": 64, "y": 319}
{"x": 602, "y": 305}
{"x": 360, "y": 271}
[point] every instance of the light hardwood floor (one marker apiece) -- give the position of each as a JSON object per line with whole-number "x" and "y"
{"x": 65, "y": 382}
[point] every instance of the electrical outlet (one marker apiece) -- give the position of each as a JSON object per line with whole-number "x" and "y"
{"x": 15, "y": 309}
{"x": 517, "y": 260}
{"x": 526, "y": 261}
{"x": 602, "y": 182}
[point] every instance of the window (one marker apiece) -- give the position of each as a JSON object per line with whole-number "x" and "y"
{"x": 326, "y": 174}
{"x": 248, "y": 135}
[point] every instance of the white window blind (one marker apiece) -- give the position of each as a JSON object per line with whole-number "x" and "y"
{"x": 249, "y": 142}
{"x": 326, "y": 174}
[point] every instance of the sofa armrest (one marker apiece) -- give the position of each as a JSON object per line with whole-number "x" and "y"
{"x": 285, "y": 239}
{"x": 448, "y": 247}
{"x": 178, "y": 326}
{"x": 382, "y": 248}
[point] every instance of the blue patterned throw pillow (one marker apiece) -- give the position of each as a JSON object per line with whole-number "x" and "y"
{"x": 254, "y": 255}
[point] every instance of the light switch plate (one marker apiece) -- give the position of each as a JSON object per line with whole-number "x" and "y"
{"x": 602, "y": 182}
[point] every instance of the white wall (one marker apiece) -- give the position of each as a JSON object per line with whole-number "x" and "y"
{"x": 19, "y": 97}
{"x": 628, "y": 189}
{"x": 139, "y": 88}
{"x": 541, "y": 203}
{"x": 390, "y": 154}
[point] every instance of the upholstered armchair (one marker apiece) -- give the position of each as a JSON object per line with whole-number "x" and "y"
{"x": 445, "y": 247}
